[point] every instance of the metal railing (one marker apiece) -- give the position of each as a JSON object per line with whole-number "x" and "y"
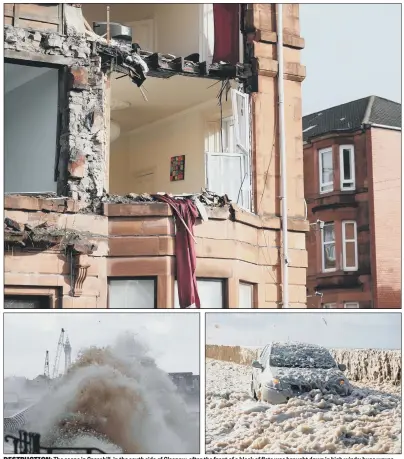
{"x": 30, "y": 443}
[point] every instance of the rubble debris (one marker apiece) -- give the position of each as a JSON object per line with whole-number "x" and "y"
{"x": 44, "y": 236}
{"x": 166, "y": 65}
{"x": 128, "y": 199}
{"x": 208, "y": 198}
{"x": 212, "y": 199}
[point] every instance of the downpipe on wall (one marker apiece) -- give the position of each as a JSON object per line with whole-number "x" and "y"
{"x": 282, "y": 147}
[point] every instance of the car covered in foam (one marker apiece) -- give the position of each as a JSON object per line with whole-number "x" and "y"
{"x": 286, "y": 370}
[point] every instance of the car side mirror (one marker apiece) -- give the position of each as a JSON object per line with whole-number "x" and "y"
{"x": 256, "y": 364}
{"x": 342, "y": 366}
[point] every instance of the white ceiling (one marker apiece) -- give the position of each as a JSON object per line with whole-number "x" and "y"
{"x": 16, "y": 75}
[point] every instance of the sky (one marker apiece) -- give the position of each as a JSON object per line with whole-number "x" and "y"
{"x": 351, "y": 51}
{"x": 173, "y": 338}
{"x": 333, "y": 330}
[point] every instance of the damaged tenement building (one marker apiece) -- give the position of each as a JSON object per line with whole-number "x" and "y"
{"x": 153, "y": 158}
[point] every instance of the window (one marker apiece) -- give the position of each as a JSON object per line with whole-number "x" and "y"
{"x": 326, "y": 170}
{"x": 329, "y": 305}
{"x": 245, "y": 295}
{"x": 227, "y": 149}
{"x": 132, "y": 293}
{"x": 29, "y": 297}
{"x": 26, "y": 302}
{"x": 328, "y": 247}
{"x": 347, "y": 167}
{"x": 211, "y": 293}
{"x": 265, "y": 355}
{"x": 351, "y": 305}
{"x": 349, "y": 246}
{"x": 31, "y": 98}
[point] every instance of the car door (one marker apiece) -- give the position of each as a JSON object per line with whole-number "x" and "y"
{"x": 256, "y": 371}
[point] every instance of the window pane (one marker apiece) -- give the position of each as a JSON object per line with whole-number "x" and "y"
{"x": 329, "y": 233}
{"x": 132, "y": 293}
{"x": 215, "y": 182}
{"x": 329, "y": 305}
{"x": 349, "y": 231}
{"x": 347, "y": 164}
{"x": 329, "y": 246}
{"x": 327, "y": 168}
{"x": 329, "y": 256}
{"x": 210, "y": 293}
{"x": 232, "y": 167}
{"x": 245, "y": 295}
{"x": 31, "y": 101}
{"x": 350, "y": 255}
{"x": 28, "y": 302}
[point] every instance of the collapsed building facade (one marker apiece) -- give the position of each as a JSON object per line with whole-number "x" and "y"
{"x": 143, "y": 162}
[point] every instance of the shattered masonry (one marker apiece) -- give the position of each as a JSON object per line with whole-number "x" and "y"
{"x": 83, "y": 150}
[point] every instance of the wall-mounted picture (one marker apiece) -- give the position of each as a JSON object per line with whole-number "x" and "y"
{"x": 177, "y": 168}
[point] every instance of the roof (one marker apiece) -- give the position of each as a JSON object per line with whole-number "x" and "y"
{"x": 352, "y": 116}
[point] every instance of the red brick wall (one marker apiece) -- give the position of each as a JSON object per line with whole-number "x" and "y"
{"x": 322, "y": 207}
{"x": 386, "y": 189}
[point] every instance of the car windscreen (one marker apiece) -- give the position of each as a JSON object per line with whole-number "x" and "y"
{"x": 300, "y": 356}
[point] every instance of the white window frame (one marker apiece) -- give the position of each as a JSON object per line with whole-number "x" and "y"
{"x": 236, "y": 97}
{"x": 242, "y": 147}
{"x": 325, "y": 186}
{"x": 351, "y": 305}
{"x": 328, "y": 270}
{"x": 344, "y": 240}
{"x": 329, "y": 305}
{"x": 351, "y": 183}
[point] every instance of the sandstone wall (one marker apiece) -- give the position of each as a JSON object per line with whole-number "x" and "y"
{"x": 362, "y": 364}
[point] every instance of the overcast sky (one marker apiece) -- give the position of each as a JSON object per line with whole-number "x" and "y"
{"x": 334, "y": 330}
{"x": 172, "y": 338}
{"x": 352, "y": 51}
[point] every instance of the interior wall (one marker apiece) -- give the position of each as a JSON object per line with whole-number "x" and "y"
{"x": 172, "y": 22}
{"x": 30, "y": 133}
{"x": 119, "y": 176}
{"x": 140, "y": 161}
{"x": 177, "y": 28}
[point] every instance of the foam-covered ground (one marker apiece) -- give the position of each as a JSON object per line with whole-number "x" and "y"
{"x": 366, "y": 422}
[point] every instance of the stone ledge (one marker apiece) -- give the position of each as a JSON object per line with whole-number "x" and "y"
{"x": 156, "y": 209}
{"x": 141, "y": 209}
{"x": 292, "y": 71}
{"x": 289, "y": 40}
{"x": 56, "y": 204}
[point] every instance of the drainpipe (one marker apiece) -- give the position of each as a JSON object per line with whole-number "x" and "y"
{"x": 282, "y": 146}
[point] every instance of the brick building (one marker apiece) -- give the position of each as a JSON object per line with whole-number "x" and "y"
{"x": 352, "y": 172}
{"x": 104, "y": 109}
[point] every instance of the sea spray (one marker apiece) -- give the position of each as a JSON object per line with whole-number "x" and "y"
{"x": 118, "y": 400}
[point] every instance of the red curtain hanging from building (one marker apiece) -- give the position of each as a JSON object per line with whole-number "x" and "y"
{"x": 227, "y": 32}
